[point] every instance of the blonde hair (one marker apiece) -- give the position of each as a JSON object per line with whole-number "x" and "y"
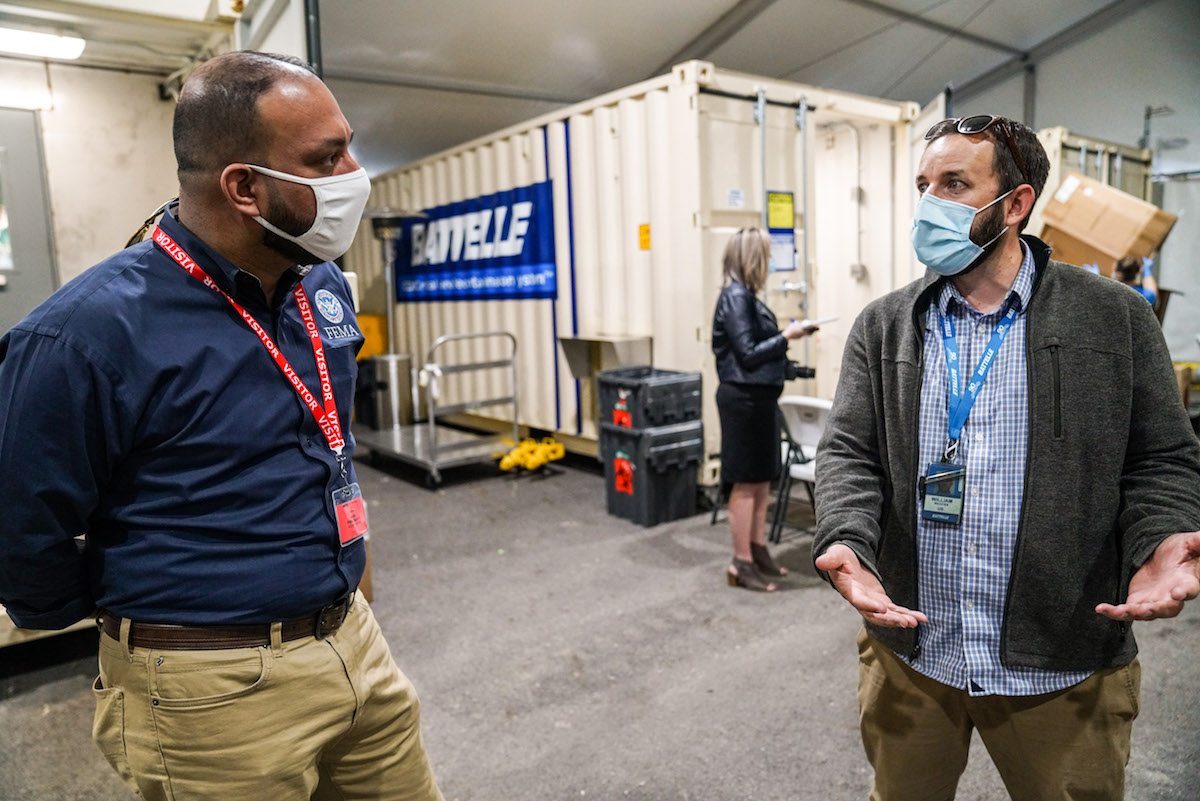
{"x": 747, "y": 257}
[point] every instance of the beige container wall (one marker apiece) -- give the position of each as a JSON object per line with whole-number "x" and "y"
{"x": 677, "y": 154}
{"x": 1121, "y": 166}
{"x": 854, "y": 164}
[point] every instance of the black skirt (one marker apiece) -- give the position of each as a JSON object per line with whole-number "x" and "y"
{"x": 749, "y": 432}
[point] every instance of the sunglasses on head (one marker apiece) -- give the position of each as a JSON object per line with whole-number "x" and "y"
{"x": 977, "y": 125}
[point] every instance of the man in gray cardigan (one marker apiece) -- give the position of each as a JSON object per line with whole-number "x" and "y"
{"x": 1007, "y": 480}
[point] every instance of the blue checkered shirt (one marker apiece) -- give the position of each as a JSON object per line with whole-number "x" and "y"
{"x": 963, "y": 570}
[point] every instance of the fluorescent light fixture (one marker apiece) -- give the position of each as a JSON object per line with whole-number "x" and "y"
{"x": 41, "y": 45}
{"x": 10, "y": 98}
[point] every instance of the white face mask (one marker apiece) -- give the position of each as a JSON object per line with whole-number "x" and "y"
{"x": 340, "y": 203}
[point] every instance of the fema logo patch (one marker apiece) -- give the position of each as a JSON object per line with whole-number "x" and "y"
{"x": 329, "y": 306}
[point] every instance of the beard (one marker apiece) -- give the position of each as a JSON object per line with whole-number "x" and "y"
{"x": 281, "y": 215}
{"x": 987, "y": 230}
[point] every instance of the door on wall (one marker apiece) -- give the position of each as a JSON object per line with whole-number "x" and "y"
{"x": 934, "y": 111}
{"x": 27, "y": 270}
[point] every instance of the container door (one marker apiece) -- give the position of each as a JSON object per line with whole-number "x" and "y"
{"x": 27, "y": 269}
{"x": 854, "y": 219}
{"x": 933, "y": 111}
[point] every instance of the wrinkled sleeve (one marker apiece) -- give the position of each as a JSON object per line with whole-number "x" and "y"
{"x": 1160, "y": 480}
{"x": 850, "y": 476}
{"x": 57, "y": 425}
{"x": 748, "y": 348}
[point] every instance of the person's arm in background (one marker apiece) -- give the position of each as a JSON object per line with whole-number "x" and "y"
{"x": 1149, "y": 285}
{"x": 742, "y": 330}
{"x": 850, "y": 493}
{"x": 58, "y": 429}
{"x": 1160, "y": 485}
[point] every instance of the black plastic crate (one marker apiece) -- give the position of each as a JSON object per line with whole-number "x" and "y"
{"x": 650, "y": 474}
{"x": 642, "y": 397}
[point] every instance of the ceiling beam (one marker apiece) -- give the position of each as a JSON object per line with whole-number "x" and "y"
{"x": 925, "y": 22}
{"x": 1089, "y": 26}
{"x": 717, "y": 34}
{"x": 433, "y": 84}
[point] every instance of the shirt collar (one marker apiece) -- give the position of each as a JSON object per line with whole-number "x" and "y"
{"x": 1018, "y": 294}
{"x": 227, "y": 272}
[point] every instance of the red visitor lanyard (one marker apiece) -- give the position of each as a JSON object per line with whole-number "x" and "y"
{"x": 325, "y": 415}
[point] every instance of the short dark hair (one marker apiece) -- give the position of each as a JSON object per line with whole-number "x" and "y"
{"x": 1004, "y": 166}
{"x": 217, "y": 120}
{"x": 1128, "y": 268}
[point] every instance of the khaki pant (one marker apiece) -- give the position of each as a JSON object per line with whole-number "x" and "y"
{"x": 1069, "y": 745}
{"x": 308, "y": 719}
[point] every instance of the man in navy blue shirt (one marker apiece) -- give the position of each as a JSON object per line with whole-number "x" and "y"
{"x": 181, "y": 411}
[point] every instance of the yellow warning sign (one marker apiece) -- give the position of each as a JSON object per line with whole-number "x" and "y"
{"x": 781, "y": 210}
{"x": 644, "y": 236}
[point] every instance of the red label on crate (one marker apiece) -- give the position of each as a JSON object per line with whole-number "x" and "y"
{"x": 623, "y": 470}
{"x": 622, "y": 417}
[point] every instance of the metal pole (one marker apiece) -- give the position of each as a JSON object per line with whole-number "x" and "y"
{"x": 389, "y": 284}
{"x": 760, "y": 116}
{"x": 312, "y": 34}
{"x": 387, "y": 224}
{"x": 389, "y": 280}
{"x": 806, "y": 220}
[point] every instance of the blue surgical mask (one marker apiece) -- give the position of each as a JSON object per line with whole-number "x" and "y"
{"x": 941, "y": 233}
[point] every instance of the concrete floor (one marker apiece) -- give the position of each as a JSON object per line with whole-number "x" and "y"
{"x": 564, "y": 654}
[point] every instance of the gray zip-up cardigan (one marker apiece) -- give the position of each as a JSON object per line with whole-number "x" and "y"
{"x": 1113, "y": 466}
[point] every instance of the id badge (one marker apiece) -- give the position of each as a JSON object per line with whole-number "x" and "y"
{"x": 942, "y": 493}
{"x": 351, "y": 513}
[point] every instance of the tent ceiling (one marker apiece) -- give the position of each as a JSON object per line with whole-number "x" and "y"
{"x": 423, "y": 75}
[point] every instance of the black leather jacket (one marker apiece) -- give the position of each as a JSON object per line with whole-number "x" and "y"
{"x": 746, "y": 339}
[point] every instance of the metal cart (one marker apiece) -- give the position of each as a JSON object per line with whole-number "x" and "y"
{"x": 433, "y": 446}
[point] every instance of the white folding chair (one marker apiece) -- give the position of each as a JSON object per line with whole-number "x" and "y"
{"x": 804, "y": 419}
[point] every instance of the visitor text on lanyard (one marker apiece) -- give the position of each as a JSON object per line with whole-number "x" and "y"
{"x": 325, "y": 412}
{"x": 962, "y": 400}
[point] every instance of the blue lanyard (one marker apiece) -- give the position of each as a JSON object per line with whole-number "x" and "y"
{"x": 960, "y": 401}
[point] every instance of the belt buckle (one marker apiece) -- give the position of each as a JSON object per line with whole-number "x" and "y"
{"x": 330, "y": 618}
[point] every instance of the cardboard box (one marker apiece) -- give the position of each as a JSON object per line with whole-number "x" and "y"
{"x": 1074, "y": 251}
{"x": 1087, "y": 221}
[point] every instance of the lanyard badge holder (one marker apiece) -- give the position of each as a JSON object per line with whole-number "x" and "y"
{"x": 943, "y": 483}
{"x": 350, "y": 511}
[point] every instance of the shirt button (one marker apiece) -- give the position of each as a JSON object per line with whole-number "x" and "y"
{"x": 972, "y": 549}
{"x": 308, "y": 441}
{"x": 975, "y": 492}
{"x": 968, "y": 605}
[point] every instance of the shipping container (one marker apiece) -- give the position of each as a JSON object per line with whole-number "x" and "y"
{"x": 633, "y": 195}
{"x": 1119, "y": 166}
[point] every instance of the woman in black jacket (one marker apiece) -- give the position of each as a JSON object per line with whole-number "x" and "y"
{"x": 751, "y": 354}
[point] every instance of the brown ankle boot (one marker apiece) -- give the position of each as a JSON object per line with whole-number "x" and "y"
{"x": 763, "y": 561}
{"x": 744, "y": 574}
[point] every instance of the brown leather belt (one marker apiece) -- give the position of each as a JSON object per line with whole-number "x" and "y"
{"x": 204, "y": 638}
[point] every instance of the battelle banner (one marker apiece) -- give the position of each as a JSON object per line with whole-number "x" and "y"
{"x": 493, "y": 247}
